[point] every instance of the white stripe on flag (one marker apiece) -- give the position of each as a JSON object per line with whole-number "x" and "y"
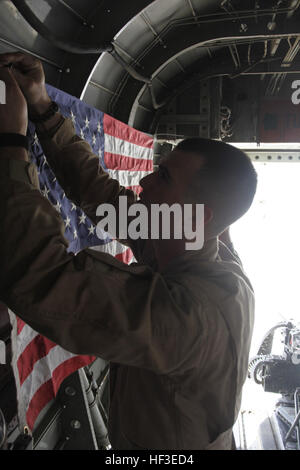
{"x": 43, "y": 370}
{"x": 128, "y": 178}
{"x": 127, "y": 149}
{"x": 25, "y": 337}
{"x": 113, "y": 248}
{"x": 22, "y": 407}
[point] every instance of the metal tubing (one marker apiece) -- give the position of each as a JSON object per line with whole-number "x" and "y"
{"x": 128, "y": 67}
{"x": 72, "y": 47}
{"x": 98, "y": 85}
{"x": 38, "y": 26}
{"x": 84, "y": 21}
{"x": 296, "y": 421}
{"x": 98, "y": 423}
{"x": 43, "y": 59}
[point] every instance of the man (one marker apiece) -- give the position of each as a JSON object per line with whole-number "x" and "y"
{"x": 177, "y": 326}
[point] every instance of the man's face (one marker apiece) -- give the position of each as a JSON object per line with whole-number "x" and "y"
{"x": 171, "y": 181}
{"x": 169, "y": 186}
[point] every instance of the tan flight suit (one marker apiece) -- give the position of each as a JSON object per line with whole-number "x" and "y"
{"x": 178, "y": 340}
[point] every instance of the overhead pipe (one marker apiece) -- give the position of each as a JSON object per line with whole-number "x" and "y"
{"x": 128, "y": 67}
{"x": 42, "y": 58}
{"x": 72, "y": 47}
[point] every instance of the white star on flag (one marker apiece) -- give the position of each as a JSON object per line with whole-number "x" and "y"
{"x": 73, "y": 117}
{"x": 87, "y": 122}
{"x": 35, "y": 139}
{"x": 82, "y": 134}
{"x": 75, "y": 234}
{"x": 82, "y": 219}
{"x": 45, "y": 192}
{"x": 99, "y": 127}
{"x": 94, "y": 139}
{"x": 91, "y": 230}
{"x": 73, "y": 207}
{"x": 57, "y": 206}
{"x": 67, "y": 222}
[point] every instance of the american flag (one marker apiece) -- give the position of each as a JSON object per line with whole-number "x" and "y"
{"x": 39, "y": 365}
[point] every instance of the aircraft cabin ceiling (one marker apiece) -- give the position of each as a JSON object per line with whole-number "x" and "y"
{"x": 168, "y": 67}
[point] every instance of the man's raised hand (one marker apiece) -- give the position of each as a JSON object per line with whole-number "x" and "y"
{"x": 13, "y": 114}
{"x": 28, "y": 72}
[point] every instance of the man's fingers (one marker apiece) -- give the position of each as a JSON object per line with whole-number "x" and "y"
{"x": 11, "y": 57}
{"x": 7, "y": 77}
{"x": 29, "y": 74}
{"x": 14, "y": 112}
{"x": 19, "y": 76}
{"x": 20, "y": 60}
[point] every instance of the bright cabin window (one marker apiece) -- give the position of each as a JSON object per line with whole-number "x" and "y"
{"x": 267, "y": 239}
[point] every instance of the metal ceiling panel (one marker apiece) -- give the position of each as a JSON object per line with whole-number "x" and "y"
{"x": 160, "y": 14}
{"x": 69, "y": 20}
{"x": 163, "y": 13}
{"x": 113, "y": 71}
{"x": 55, "y": 18}
{"x": 169, "y": 71}
{"x": 194, "y": 54}
{"x": 127, "y": 39}
{"x": 166, "y": 41}
{"x": 97, "y": 96}
{"x": 16, "y": 34}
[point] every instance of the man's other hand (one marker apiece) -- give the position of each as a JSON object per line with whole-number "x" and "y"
{"x": 30, "y": 76}
{"x": 13, "y": 114}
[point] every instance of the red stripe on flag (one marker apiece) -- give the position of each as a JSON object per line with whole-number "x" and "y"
{"x": 122, "y": 131}
{"x": 125, "y": 257}
{"x": 114, "y": 161}
{"x": 39, "y": 347}
{"x": 39, "y": 400}
{"x": 20, "y": 325}
{"x": 137, "y": 189}
{"x": 68, "y": 367}
{"x": 49, "y": 389}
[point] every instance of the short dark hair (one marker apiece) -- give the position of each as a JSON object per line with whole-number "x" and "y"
{"x": 226, "y": 182}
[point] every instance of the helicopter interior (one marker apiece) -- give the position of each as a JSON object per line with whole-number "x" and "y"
{"x": 219, "y": 69}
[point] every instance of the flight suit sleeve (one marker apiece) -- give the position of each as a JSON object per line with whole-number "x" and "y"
{"x": 89, "y": 303}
